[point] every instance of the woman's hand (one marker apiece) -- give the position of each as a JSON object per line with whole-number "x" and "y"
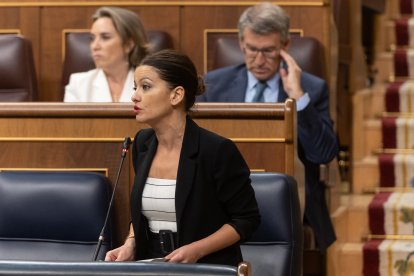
{"x": 123, "y": 253}
{"x": 186, "y": 254}
{"x": 192, "y": 252}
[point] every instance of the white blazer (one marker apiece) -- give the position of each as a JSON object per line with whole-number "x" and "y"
{"x": 92, "y": 86}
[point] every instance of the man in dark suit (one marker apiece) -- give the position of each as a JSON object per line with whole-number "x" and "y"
{"x": 270, "y": 74}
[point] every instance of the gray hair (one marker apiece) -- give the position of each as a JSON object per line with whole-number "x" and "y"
{"x": 130, "y": 28}
{"x": 265, "y": 18}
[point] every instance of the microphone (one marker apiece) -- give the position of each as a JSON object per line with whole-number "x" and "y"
{"x": 125, "y": 148}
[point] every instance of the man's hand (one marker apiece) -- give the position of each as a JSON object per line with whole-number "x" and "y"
{"x": 291, "y": 76}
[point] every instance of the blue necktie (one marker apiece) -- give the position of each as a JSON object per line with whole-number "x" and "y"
{"x": 260, "y": 88}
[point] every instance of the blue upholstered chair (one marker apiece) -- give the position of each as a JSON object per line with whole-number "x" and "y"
{"x": 276, "y": 248}
{"x": 53, "y": 220}
{"x": 52, "y": 216}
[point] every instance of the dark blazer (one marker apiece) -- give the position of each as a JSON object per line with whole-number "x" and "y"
{"x": 213, "y": 188}
{"x": 316, "y": 138}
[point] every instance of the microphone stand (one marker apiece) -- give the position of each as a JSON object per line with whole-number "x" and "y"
{"x": 127, "y": 142}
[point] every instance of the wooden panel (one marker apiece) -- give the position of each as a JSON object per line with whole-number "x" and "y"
{"x": 261, "y": 156}
{"x": 319, "y": 16}
{"x": 59, "y": 135}
{"x": 30, "y": 28}
{"x": 10, "y": 18}
{"x": 197, "y": 19}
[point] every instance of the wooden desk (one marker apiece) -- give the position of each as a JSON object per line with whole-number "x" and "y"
{"x": 63, "y": 136}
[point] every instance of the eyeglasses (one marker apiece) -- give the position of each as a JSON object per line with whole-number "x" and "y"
{"x": 269, "y": 53}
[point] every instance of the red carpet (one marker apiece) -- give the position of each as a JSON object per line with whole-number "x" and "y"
{"x": 371, "y": 257}
{"x": 400, "y": 63}
{"x": 401, "y": 30}
{"x": 388, "y": 257}
{"x": 376, "y": 213}
{"x": 392, "y": 97}
{"x": 389, "y": 133}
{"x": 391, "y": 214}
{"x": 406, "y": 7}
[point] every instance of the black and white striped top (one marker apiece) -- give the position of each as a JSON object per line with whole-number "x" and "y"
{"x": 158, "y": 204}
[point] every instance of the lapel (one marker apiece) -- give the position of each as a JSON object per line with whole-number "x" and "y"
{"x": 187, "y": 166}
{"x": 237, "y": 88}
{"x": 146, "y": 151}
{"x": 100, "y": 88}
{"x": 282, "y": 95}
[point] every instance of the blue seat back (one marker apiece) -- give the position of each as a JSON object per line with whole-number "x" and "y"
{"x": 52, "y": 215}
{"x": 276, "y": 247}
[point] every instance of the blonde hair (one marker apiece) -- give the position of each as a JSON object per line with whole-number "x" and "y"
{"x": 130, "y": 28}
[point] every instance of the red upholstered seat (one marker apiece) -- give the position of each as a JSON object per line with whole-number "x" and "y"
{"x": 18, "y": 81}
{"x": 307, "y": 51}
